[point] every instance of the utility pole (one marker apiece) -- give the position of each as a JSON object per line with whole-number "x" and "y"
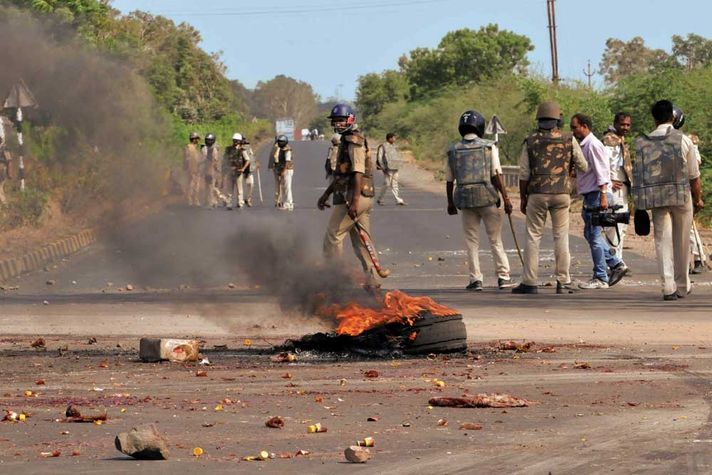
{"x": 551, "y": 12}
{"x": 588, "y": 74}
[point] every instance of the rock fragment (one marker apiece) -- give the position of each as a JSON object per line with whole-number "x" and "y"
{"x": 143, "y": 442}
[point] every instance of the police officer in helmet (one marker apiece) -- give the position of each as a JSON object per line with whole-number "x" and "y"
{"x": 474, "y": 182}
{"x": 352, "y": 186}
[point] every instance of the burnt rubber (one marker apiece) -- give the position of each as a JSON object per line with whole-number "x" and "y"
{"x": 431, "y": 334}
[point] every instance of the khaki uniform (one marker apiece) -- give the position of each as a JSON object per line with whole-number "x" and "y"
{"x": 235, "y": 159}
{"x": 665, "y": 164}
{"x": 211, "y": 170}
{"x": 622, "y": 172}
{"x": 547, "y": 161}
{"x": 473, "y": 215}
{"x": 192, "y": 160}
{"x": 283, "y": 159}
{"x": 389, "y": 159}
{"x": 353, "y": 157}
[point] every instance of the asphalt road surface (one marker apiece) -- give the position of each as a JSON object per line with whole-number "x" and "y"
{"x": 640, "y": 403}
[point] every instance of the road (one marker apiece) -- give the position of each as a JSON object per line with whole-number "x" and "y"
{"x": 643, "y": 405}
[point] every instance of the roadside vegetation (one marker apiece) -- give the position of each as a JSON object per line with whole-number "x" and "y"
{"x": 118, "y": 95}
{"x": 487, "y": 70}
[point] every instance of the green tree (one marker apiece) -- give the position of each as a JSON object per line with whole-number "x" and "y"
{"x": 464, "y": 57}
{"x": 621, "y": 59}
{"x": 283, "y": 96}
{"x": 692, "y": 52}
{"x": 376, "y": 90}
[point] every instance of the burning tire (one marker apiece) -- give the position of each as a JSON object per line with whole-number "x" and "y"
{"x": 438, "y": 335}
{"x": 428, "y": 334}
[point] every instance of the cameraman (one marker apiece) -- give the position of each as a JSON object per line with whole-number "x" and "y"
{"x": 593, "y": 186}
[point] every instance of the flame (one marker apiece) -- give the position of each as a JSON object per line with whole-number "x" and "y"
{"x": 397, "y": 307}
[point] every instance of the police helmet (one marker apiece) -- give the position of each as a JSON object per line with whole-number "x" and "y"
{"x": 678, "y": 117}
{"x": 282, "y": 140}
{"x": 237, "y": 137}
{"x": 210, "y": 139}
{"x": 342, "y": 118}
{"x": 471, "y": 122}
{"x": 548, "y": 110}
{"x": 194, "y": 136}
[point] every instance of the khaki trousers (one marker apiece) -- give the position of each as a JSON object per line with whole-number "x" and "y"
{"x": 278, "y": 197}
{"x": 3, "y": 199}
{"x": 340, "y": 224}
{"x": 492, "y": 217}
{"x": 248, "y": 184}
{"x": 671, "y": 228}
{"x": 538, "y": 206}
{"x": 194, "y": 186}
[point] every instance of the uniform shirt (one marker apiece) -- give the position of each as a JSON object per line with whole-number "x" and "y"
{"x": 211, "y": 165}
{"x": 496, "y": 166}
{"x": 578, "y": 160}
{"x": 192, "y": 158}
{"x": 599, "y": 168}
{"x": 688, "y": 150}
{"x": 358, "y": 157}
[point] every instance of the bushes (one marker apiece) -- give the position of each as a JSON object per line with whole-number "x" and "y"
{"x": 24, "y": 209}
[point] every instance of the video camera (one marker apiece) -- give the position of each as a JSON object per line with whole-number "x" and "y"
{"x": 608, "y": 217}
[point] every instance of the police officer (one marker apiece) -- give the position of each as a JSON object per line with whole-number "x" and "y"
{"x": 388, "y": 159}
{"x": 696, "y": 247}
{"x": 474, "y": 173}
{"x": 330, "y": 164}
{"x": 353, "y": 192}
{"x": 546, "y": 166}
{"x": 248, "y": 177}
{"x": 273, "y": 165}
{"x": 666, "y": 180}
{"x": 211, "y": 171}
{"x": 284, "y": 167}
{"x": 235, "y": 162}
{"x": 621, "y": 175}
{"x": 192, "y": 160}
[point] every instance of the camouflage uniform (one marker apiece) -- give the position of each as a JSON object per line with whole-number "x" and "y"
{"x": 472, "y": 163}
{"x": 353, "y": 157}
{"x": 547, "y": 162}
{"x": 388, "y": 158}
{"x": 211, "y": 172}
{"x": 622, "y": 172}
{"x": 664, "y": 165}
{"x": 192, "y": 159}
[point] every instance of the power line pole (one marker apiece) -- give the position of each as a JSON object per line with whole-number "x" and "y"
{"x": 551, "y": 12}
{"x": 588, "y": 74}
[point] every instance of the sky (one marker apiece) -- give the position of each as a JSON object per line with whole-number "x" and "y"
{"x": 330, "y": 44}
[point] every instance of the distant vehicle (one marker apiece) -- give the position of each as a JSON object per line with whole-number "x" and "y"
{"x": 306, "y": 134}
{"x": 285, "y": 127}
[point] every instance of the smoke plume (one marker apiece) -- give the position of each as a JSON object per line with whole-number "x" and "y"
{"x": 95, "y": 139}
